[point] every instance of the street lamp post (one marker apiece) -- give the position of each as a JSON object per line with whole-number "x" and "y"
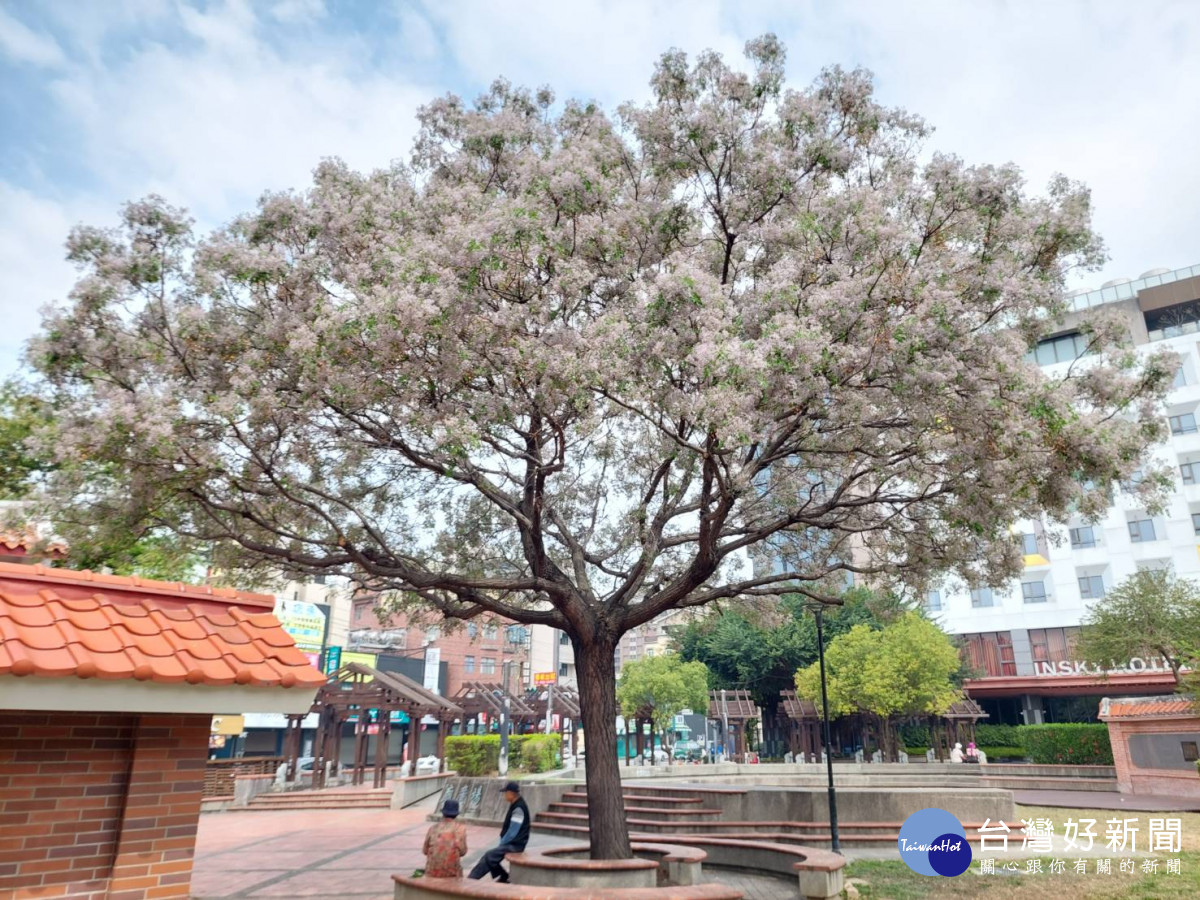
{"x": 504, "y": 721}
{"x": 724, "y": 726}
{"x": 833, "y": 822}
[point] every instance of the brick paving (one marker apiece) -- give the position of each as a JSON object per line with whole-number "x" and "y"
{"x": 352, "y": 854}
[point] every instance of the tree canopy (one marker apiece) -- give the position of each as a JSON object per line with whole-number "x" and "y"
{"x": 1152, "y": 613}
{"x": 658, "y": 687}
{"x": 573, "y": 367}
{"x": 760, "y": 650}
{"x": 907, "y": 668}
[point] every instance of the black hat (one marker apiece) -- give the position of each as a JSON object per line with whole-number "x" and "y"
{"x": 450, "y": 808}
{"x": 511, "y": 786}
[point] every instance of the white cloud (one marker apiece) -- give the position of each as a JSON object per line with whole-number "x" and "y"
{"x": 21, "y": 44}
{"x": 295, "y": 11}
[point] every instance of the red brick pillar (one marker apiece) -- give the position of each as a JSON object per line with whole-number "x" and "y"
{"x": 162, "y": 810}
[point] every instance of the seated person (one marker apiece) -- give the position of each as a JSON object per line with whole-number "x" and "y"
{"x": 445, "y": 844}
{"x": 972, "y": 753}
{"x": 514, "y": 835}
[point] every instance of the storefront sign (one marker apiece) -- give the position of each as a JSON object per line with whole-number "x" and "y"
{"x": 545, "y": 678}
{"x": 305, "y": 622}
{"x": 1137, "y": 664}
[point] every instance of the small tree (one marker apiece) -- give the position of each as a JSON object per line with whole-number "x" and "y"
{"x": 1153, "y": 612}
{"x": 658, "y": 687}
{"x": 905, "y": 669}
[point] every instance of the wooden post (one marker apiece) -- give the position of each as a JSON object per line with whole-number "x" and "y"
{"x": 443, "y": 727}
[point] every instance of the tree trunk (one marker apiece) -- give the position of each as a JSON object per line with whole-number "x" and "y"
{"x": 598, "y": 708}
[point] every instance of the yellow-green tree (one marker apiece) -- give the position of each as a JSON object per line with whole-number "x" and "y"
{"x": 904, "y": 669}
{"x": 658, "y": 687}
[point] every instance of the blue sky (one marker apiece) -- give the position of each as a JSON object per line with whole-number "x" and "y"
{"x": 211, "y": 103}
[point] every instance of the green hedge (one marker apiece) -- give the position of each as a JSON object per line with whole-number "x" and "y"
{"x": 998, "y": 735}
{"x": 1081, "y": 745}
{"x": 534, "y": 752}
{"x": 473, "y": 755}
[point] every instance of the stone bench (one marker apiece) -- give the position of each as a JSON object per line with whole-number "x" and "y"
{"x": 569, "y": 866}
{"x": 415, "y": 788}
{"x": 433, "y": 888}
{"x": 819, "y": 871}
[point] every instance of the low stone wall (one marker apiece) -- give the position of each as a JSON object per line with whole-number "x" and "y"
{"x": 407, "y": 791}
{"x": 440, "y": 888}
{"x": 570, "y": 866}
{"x": 247, "y": 787}
{"x": 790, "y": 804}
{"x": 482, "y": 802}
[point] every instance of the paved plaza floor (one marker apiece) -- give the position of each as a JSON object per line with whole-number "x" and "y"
{"x": 348, "y": 853}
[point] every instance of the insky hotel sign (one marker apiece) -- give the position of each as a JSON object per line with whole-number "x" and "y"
{"x": 1137, "y": 664}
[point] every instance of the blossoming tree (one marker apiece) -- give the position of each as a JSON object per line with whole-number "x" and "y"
{"x": 575, "y": 368}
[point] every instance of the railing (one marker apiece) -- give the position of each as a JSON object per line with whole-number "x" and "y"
{"x": 219, "y": 773}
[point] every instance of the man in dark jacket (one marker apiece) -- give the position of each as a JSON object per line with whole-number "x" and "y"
{"x": 514, "y": 835}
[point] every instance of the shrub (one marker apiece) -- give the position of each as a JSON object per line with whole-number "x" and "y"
{"x": 998, "y": 735}
{"x": 1082, "y": 745}
{"x": 534, "y": 752}
{"x": 473, "y": 755}
{"x": 914, "y": 735}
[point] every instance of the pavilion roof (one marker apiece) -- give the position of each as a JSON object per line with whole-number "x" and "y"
{"x": 965, "y": 709}
{"x": 566, "y": 701}
{"x": 738, "y": 705}
{"x": 796, "y": 709}
{"x": 355, "y": 684}
{"x": 488, "y": 697}
{"x": 58, "y": 623}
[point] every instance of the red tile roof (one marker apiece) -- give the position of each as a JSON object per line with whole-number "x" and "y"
{"x": 1148, "y": 707}
{"x": 56, "y": 623}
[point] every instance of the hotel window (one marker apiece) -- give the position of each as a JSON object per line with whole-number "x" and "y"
{"x": 982, "y": 597}
{"x": 1091, "y": 587}
{"x": 1083, "y": 537}
{"x": 487, "y": 666}
{"x": 1141, "y": 531}
{"x": 1183, "y": 424}
{"x": 1180, "y": 378}
{"x": 490, "y": 632}
{"x": 1191, "y": 752}
{"x": 1190, "y": 472}
{"x": 468, "y": 664}
{"x": 934, "y": 601}
{"x": 1029, "y": 544}
{"x": 1196, "y": 522}
{"x": 1033, "y": 591}
{"x": 1063, "y": 348}
{"x": 472, "y": 630}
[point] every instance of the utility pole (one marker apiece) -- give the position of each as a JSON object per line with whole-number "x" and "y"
{"x": 506, "y": 668}
{"x": 550, "y": 687}
{"x": 833, "y": 822}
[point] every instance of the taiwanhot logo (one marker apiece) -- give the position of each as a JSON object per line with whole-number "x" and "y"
{"x": 933, "y": 842}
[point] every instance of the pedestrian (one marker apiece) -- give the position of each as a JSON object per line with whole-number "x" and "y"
{"x": 514, "y": 835}
{"x": 446, "y": 844}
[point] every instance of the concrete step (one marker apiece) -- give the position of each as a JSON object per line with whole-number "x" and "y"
{"x": 638, "y": 812}
{"x": 639, "y": 799}
{"x": 371, "y": 799}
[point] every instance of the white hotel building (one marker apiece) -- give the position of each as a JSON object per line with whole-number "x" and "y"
{"x": 1020, "y": 637}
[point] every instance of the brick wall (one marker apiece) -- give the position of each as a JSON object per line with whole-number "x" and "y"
{"x": 1134, "y": 780}
{"x": 99, "y": 805}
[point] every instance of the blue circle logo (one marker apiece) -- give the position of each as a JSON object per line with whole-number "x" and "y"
{"x": 933, "y": 842}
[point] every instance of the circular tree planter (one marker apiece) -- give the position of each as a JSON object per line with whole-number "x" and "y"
{"x": 654, "y": 865}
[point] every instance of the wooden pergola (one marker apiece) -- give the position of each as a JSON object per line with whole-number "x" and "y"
{"x": 956, "y": 725}
{"x": 368, "y": 697}
{"x": 737, "y": 708}
{"x": 565, "y": 703}
{"x": 804, "y": 724}
{"x": 486, "y": 698}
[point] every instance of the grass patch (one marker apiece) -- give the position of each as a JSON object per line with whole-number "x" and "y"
{"x": 892, "y": 880}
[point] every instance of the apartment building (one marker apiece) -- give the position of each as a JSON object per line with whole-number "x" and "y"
{"x": 474, "y": 651}
{"x": 1020, "y": 638}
